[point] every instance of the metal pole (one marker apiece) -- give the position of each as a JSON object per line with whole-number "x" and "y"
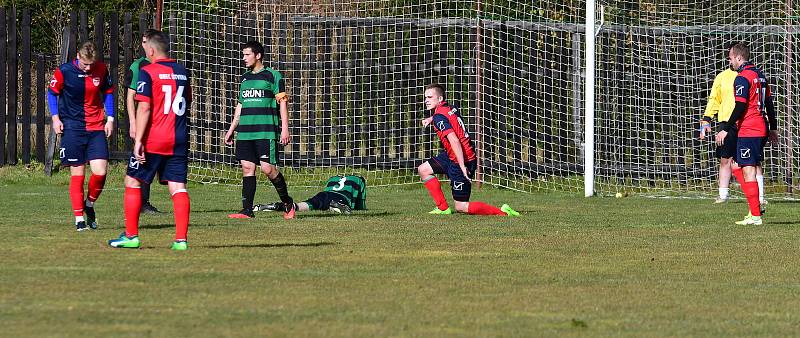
{"x": 588, "y": 159}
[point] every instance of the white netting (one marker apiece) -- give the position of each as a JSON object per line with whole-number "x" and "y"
{"x": 356, "y": 71}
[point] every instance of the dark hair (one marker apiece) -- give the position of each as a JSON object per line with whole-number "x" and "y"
{"x": 157, "y": 39}
{"x": 255, "y": 47}
{"x": 439, "y": 89}
{"x": 742, "y": 50}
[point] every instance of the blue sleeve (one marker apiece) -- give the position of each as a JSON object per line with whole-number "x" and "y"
{"x": 741, "y": 89}
{"x": 52, "y": 103}
{"x": 441, "y": 123}
{"x": 109, "y": 104}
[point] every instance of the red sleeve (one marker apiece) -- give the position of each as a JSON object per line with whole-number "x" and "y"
{"x": 57, "y": 82}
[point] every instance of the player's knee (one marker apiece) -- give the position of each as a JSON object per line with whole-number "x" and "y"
{"x": 248, "y": 169}
{"x": 462, "y": 206}
{"x": 131, "y": 182}
{"x": 270, "y": 170}
{"x": 424, "y": 170}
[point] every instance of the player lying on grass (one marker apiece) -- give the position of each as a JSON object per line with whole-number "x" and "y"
{"x": 458, "y": 161}
{"x": 342, "y": 194}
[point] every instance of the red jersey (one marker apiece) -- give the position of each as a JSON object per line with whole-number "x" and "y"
{"x": 751, "y": 87}
{"x": 164, "y": 84}
{"x": 447, "y": 120}
{"x": 80, "y": 104}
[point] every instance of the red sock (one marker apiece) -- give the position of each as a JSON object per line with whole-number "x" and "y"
{"x": 435, "y": 189}
{"x": 181, "y": 204}
{"x": 76, "y": 194}
{"x": 750, "y": 190}
{"x": 96, "y": 184}
{"x": 133, "y": 205}
{"x": 739, "y": 175}
{"x": 480, "y": 208}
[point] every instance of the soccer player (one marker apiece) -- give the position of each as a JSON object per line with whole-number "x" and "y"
{"x": 342, "y": 195}
{"x": 754, "y": 118}
{"x": 161, "y": 143}
{"x": 131, "y": 78}
{"x": 720, "y": 105}
{"x": 458, "y": 161}
{"x": 261, "y": 117}
{"x": 77, "y": 95}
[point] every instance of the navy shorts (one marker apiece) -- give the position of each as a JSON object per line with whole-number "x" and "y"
{"x": 460, "y": 186}
{"x": 257, "y": 151}
{"x": 750, "y": 151}
{"x": 728, "y": 148}
{"x": 169, "y": 168}
{"x": 79, "y": 147}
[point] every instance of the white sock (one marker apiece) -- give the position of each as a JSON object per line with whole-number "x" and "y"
{"x": 78, "y": 219}
{"x": 760, "y": 180}
{"x": 723, "y": 193}
{"x": 89, "y": 203}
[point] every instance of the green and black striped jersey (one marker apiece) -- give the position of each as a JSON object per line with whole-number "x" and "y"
{"x": 353, "y": 188}
{"x": 259, "y": 94}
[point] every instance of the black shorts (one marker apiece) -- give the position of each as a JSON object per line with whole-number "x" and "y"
{"x": 728, "y": 148}
{"x": 322, "y": 200}
{"x": 258, "y": 151}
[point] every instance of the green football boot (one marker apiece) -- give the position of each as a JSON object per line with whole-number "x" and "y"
{"x": 507, "y": 209}
{"x": 438, "y": 211}
{"x": 179, "y": 246}
{"x": 125, "y": 242}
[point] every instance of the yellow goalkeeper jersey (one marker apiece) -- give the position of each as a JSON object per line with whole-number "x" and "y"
{"x": 721, "y": 99}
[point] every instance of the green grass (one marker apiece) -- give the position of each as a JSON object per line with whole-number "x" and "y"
{"x": 569, "y": 266}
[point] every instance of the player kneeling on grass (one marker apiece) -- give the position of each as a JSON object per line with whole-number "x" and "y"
{"x": 161, "y": 143}
{"x": 458, "y": 161}
{"x": 342, "y": 195}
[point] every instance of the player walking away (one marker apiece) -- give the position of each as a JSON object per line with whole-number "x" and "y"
{"x": 754, "y": 118}
{"x": 261, "y": 111}
{"x": 458, "y": 161}
{"x": 161, "y": 142}
{"x": 76, "y": 96}
{"x": 131, "y": 79}
{"x": 720, "y": 105}
{"x": 342, "y": 195}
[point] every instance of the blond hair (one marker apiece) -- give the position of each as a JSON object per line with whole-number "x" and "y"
{"x": 88, "y": 51}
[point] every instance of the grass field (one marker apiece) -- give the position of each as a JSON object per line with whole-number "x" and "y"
{"x": 570, "y": 266}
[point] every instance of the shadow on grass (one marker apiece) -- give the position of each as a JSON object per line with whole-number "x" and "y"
{"x": 782, "y": 223}
{"x": 271, "y": 245}
{"x": 172, "y": 226}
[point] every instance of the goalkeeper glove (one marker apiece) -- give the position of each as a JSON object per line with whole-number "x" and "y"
{"x": 705, "y": 127}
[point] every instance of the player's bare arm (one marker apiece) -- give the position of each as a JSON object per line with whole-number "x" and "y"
{"x": 142, "y": 119}
{"x": 285, "y": 137}
{"x": 427, "y": 121}
{"x": 234, "y": 123}
{"x": 459, "y": 152}
{"x": 130, "y": 105}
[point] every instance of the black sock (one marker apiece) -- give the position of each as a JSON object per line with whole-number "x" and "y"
{"x": 248, "y": 192}
{"x": 145, "y": 188}
{"x": 280, "y": 187}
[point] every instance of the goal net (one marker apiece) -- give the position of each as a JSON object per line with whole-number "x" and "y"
{"x": 355, "y": 72}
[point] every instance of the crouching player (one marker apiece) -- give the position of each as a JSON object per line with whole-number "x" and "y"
{"x": 458, "y": 161}
{"x": 342, "y": 195}
{"x": 161, "y": 143}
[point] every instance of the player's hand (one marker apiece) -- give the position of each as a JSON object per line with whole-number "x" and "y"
{"x": 138, "y": 151}
{"x": 132, "y": 130}
{"x": 427, "y": 121}
{"x": 720, "y": 137}
{"x": 773, "y": 136}
{"x": 705, "y": 128}
{"x": 109, "y": 128}
{"x": 285, "y": 137}
{"x": 229, "y": 137}
{"x": 58, "y": 127}
{"x": 466, "y": 173}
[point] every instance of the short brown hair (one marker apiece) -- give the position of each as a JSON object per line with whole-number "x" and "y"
{"x": 157, "y": 39}
{"x": 88, "y": 51}
{"x": 439, "y": 89}
{"x": 740, "y": 49}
